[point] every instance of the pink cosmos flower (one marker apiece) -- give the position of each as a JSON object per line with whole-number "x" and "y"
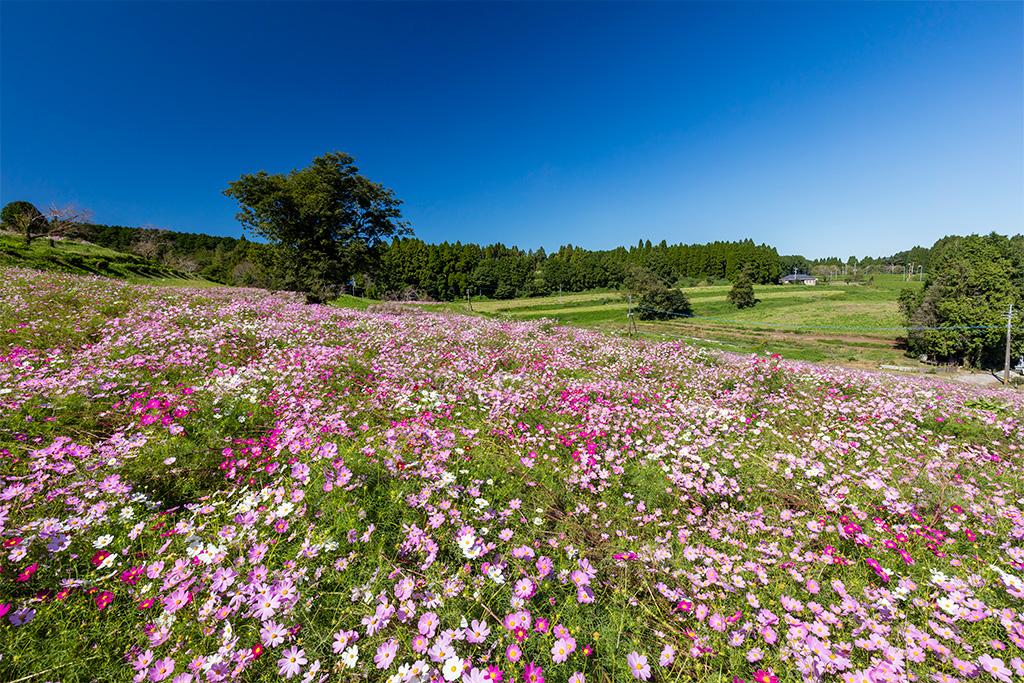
{"x": 638, "y": 666}
{"x": 477, "y": 632}
{"x": 272, "y": 634}
{"x": 386, "y": 653}
{"x": 291, "y": 662}
{"x": 561, "y": 650}
{"x": 428, "y": 624}
{"x": 995, "y": 667}
{"x": 161, "y": 669}
{"x": 524, "y": 589}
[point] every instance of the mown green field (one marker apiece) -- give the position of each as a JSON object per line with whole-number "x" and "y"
{"x": 850, "y": 323}
{"x": 81, "y": 258}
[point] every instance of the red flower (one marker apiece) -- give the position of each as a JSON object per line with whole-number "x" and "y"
{"x": 762, "y": 676}
{"x": 147, "y": 603}
{"x": 257, "y": 650}
{"x": 12, "y": 541}
{"x": 98, "y": 558}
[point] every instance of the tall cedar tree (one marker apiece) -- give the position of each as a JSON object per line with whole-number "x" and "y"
{"x": 742, "y": 293}
{"x": 326, "y": 220}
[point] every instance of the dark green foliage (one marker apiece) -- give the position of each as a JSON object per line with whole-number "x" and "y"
{"x": 662, "y": 303}
{"x": 971, "y": 283}
{"x": 450, "y": 271}
{"x": 742, "y": 293}
{"x": 23, "y": 218}
{"x": 326, "y": 220}
{"x": 794, "y": 263}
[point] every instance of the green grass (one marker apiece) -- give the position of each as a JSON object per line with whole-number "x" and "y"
{"x": 82, "y": 258}
{"x": 840, "y": 322}
{"x": 356, "y": 302}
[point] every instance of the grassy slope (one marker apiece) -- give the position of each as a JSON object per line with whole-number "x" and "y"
{"x": 82, "y": 258}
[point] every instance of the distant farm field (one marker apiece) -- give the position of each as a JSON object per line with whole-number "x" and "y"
{"x": 852, "y": 323}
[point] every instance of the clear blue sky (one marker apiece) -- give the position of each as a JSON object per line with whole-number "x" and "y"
{"x": 818, "y": 128}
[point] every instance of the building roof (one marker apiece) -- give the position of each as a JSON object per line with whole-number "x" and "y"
{"x": 798, "y": 277}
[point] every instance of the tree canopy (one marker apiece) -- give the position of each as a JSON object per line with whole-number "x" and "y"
{"x": 326, "y": 219}
{"x": 663, "y": 303}
{"x": 24, "y": 218}
{"x": 971, "y": 283}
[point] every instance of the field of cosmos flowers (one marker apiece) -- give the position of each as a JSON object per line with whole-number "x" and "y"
{"x": 228, "y": 484}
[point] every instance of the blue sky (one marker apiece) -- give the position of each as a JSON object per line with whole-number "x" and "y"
{"x": 819, "y": 128}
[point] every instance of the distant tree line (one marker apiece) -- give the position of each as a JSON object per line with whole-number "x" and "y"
{"x": 454, "y": 270}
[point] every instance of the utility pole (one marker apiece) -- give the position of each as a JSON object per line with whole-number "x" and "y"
{"x": 1009, "y": 332}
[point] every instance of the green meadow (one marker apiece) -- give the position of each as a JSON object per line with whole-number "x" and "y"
{"x": 849, "y": 323}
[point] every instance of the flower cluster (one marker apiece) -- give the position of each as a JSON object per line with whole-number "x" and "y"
{"x": 228, "y": 484}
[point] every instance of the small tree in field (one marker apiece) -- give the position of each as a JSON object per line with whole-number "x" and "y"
{"x": 742, "y": 293}
{"x": 25, "y": 219}
{"x": 325, "y": 219}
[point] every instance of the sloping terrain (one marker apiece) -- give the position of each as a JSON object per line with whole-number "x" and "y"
{"x": 217, "y": 484}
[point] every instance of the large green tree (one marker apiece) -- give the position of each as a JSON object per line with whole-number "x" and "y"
{"x": 23, "y": 218}
{"x": 970, "y": 286}
{"x": 326, "y": 221}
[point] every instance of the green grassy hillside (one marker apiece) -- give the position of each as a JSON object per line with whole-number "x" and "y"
{"x": 81, "y": 258}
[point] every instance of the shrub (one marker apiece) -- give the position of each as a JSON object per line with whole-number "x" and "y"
{"x": 662, "y": 303}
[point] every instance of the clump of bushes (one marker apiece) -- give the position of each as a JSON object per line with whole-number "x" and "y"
{"x": 662, "y": 303}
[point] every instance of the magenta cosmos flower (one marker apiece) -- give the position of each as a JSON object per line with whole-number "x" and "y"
{"x": 533, "y": 673}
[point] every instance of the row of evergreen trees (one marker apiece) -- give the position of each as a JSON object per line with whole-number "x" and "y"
{"x": 448, "y": 270}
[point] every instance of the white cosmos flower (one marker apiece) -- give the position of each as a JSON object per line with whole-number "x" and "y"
{"x": 103, "y": 541}
{"x": 452, "y": 669}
